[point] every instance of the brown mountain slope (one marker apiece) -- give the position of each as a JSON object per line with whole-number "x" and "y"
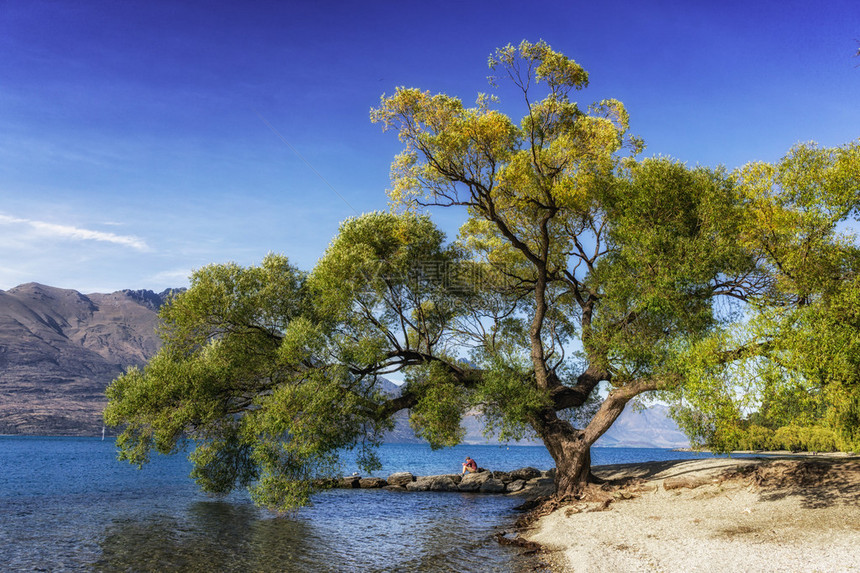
{"x": 59, "y": 349}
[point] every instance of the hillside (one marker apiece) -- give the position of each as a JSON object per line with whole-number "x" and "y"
{"x": 59, "y": 349}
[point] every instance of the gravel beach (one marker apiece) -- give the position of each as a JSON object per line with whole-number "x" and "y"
{"x": 711, "y": 515}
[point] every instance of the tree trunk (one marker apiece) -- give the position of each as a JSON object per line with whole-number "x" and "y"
{"x": 573, "y": 468}
{"x": 571, "y": 448}
{"x": 571, "y": 452}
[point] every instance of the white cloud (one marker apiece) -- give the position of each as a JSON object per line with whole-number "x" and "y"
{"x": 175, "y": 278}
{"x": 75, "y": 233}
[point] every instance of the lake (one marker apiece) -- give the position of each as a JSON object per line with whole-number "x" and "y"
{"x": 67, "y": 504}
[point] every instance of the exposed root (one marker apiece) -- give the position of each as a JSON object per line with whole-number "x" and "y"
{"x": 784, "y": 474}
{"x": 591, "y": 498}
{"x": 798, "y": 474}
{"x": 536, "y": 509}
{"x": 603, "y": 506}
{"x": 517, "y": 541}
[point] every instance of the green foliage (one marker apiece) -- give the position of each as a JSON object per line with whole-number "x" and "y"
{"x": 757, "y": 438}
{"x": 744, "y": 436}
{"x": 384, "y": 273}
{"x": 792, "y": 438}
{"x": 237, "y": 377}
{"x": 796, "y": 357}
{"x": 508, "y": 402}
{"x": 222, "y": 463}
{"x": 440, "y": 407}
{"x": 673, "y": 230}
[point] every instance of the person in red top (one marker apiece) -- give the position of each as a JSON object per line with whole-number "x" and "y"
{"x": 470, "y": 466}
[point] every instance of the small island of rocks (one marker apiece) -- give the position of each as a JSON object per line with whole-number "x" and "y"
{"x": 524, "y": 481}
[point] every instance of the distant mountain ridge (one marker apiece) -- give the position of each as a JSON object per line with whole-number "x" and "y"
{"x": 648, "y": 428}
{"x": 59, "y": 350}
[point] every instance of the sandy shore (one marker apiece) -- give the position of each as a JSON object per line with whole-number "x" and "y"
{"x": 711, "y": 515}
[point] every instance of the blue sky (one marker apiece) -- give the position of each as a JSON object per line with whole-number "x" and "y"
{"x": 137, "y": 139}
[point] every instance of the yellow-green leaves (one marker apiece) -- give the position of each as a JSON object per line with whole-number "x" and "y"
{"x": 465, "y": 143}
{"x": 536, "y": 181}
{"x": 796, "y": 209}
{"x": 528, "y": 59}
{"x": 796, "y": 361}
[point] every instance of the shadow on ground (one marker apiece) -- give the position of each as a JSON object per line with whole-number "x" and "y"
{"x": 817, "y": 481}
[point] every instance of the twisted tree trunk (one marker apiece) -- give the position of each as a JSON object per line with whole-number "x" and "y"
{"x": 571, "y": 447}
{"x": 570, "y": 451}
{"x": 573, "y": 469}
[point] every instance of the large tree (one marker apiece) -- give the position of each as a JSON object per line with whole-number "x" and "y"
{"x": 582, "y": 279}
{"x": 621, "y": 262}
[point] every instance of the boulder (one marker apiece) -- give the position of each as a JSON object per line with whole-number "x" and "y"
{"x": 400, "y": 478}
{"x": 540, "y": 482}
{"x": 420, "y": 484}
{"x": 515, "y": 485}
{"x": 444, "y": 483}
{"x": 492, "y": 485}
{"x": 374, "y": 482}
{"x": 395, "y": 488}
{"x": 432, "y": 483}
{"x": 525, "y": 474}
{"x": 349, "y": 482}
{"x": 550, "y": 473}
{"x": 537, "y": 487}
{"x": 473, "y": 482}
{"x": 504, "y": 476}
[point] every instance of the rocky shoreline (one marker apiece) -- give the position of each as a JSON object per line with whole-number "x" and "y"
{"x": 526, "y": 481}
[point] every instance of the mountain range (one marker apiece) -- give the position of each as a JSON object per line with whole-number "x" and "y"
{"x": 59, "y": 349}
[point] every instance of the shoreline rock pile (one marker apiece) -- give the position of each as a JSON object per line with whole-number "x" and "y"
{"x": 523, "y": 480}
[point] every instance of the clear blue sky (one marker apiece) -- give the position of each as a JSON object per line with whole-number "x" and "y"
{"x": 132, "y": 148}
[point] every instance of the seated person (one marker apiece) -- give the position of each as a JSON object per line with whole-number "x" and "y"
{"x": 469, "y": 466}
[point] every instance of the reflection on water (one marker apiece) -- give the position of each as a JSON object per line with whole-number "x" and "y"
{"x": 214, "y": 536}
{"x": 342, "y": 531}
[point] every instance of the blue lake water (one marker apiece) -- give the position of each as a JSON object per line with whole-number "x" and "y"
{"x": 67, "y": 504}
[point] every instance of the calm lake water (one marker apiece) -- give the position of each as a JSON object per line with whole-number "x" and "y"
{"x": 67, "y": 504}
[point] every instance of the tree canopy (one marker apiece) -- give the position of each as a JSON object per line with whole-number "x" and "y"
{"x": 584, "y": 277}
{"x": 801, "y": 334}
